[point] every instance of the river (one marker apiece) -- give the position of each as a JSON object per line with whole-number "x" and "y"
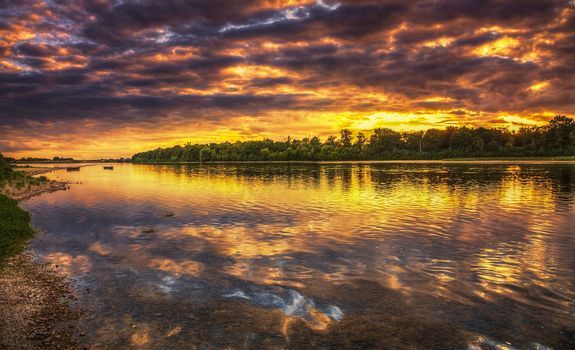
{"x": 329, "y": 256}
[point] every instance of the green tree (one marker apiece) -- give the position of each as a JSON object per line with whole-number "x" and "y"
{"x": 384, "y": 141}
{"x": 556, "y": 138}
{"x": 331, "y": 140}
{"x": 345, "y": 137}
{"x": 360, "y": 141}
{"x": 315, "y": 141}
{"x": 265, "y": 153}
{"x": 205, "y": 153}
{"x": 559, "y": 132}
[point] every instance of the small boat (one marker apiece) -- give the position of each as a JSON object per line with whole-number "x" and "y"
{"x": 73, "y": 168}
{"x": 108, "y": 168}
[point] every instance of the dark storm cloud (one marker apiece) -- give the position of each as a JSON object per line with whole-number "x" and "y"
{"x": 141, "y": 61}
{"x": 492, "y": 11}
{"x": 267, "y": 82}
{"x": 27, "y": 49}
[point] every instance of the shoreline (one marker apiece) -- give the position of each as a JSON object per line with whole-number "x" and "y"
{"x": 398, "y": 161}
{"x": 32, "y": 190}
{"x": 38, "y": 304}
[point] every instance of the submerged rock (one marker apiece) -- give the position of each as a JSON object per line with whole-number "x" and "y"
{"x": 485, "y": 343}
{"x": 291, "y": 303}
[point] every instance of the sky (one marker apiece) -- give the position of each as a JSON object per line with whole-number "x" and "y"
{"x": 109, "y": 78}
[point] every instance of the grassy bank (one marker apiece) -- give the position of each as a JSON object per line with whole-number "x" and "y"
{"x": 18, "y": 179}
{"x": 15, "y": 228}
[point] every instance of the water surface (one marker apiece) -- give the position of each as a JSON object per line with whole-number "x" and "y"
{"x": 331, "y": 256}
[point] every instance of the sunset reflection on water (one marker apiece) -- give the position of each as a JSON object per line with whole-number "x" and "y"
{"x": 276, "y": 256}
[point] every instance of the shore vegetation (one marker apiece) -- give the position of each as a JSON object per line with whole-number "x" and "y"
{"x": 556, "y": 139}
{"x": 15, "y": 228}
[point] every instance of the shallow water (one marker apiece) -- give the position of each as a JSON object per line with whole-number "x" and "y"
{"x": 421, "y": 256}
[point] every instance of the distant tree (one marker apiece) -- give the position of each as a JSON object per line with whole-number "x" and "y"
{"x": 265, "y": 153}
{"x": 413, "y": 141}
{"x": 5, "y": 168}
{"x": 345, "y": 137}
{"x": 556, "y": 138}
{"x": 360, "y": 141}
{"x": 435, "y": 140}
{"x": 384, "y": 141}
{"x": 315, "y": 142}
{"x": 205, "y": 153}
{"x": 559, "y": 133}
{"x": 331, "y": 140}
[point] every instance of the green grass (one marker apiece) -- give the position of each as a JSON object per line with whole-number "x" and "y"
{"x": 15, "y": 228}
{"x": 19, "y": 179}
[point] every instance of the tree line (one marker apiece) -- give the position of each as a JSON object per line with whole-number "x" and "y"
{"x": 4, "y": 166}
{"x": 557, "y": 138}
{"x": 6, "y": 173}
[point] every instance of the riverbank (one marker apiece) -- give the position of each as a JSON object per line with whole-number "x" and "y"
{"x": 36, "y": 303}
{"x": 21, "y": 185}
{"x": 504, "y": 160}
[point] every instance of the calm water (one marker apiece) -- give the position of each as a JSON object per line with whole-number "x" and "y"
{"x": 373, "y": 256}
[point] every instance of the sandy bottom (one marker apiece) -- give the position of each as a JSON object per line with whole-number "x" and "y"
{"x": 37, "y": 307}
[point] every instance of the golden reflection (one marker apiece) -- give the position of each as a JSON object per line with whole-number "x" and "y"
{"x": 516, "y": 264}
{"x": 177, "y": 268}
{"x": 174, "y": 331}
{"x": 497, "y": 267}
{"x": 394, "y": 282}
{"x": 69, "y": 264}
{"x": 100, "y": 249}
{"x": 140, "y": 338}
{"x": 316, "y": 320}
{"x": 371, "y": 204}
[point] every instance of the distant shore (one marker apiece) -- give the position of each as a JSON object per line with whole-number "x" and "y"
{"x": 504, "y": 160}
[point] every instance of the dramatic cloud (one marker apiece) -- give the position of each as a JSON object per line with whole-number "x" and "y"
{"x": 93, "y": 78}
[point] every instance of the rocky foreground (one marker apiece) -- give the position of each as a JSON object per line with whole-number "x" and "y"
{"x": 37, "y": 306}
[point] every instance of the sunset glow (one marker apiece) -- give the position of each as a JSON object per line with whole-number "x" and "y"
{"x": 92, "y": 79}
